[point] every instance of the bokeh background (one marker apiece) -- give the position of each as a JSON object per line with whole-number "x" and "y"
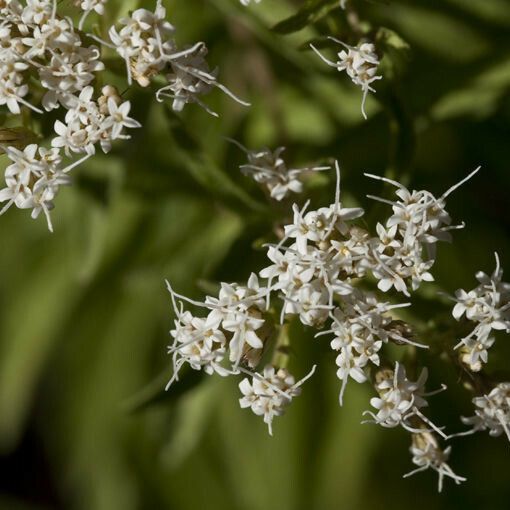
{"x": 84, "y": 314}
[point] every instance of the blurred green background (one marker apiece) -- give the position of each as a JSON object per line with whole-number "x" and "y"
{"x": 84, "y": 314}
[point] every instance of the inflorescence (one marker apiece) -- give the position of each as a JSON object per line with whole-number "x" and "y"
{"x": 328, "y": 269}
{"x": 47, "y": 63}
{"x": 319, "y": 271}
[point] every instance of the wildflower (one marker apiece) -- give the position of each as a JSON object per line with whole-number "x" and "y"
{"x": 269, "y": 169}
{"x": 403, "y": 252}
{"x": 33, "y": 179}
{"x": 145, "y": 42}
{"x": 361, "y": 325}
{"x": 200, "y": 342}
{"x": 427, "y": 454}
{"x": 269, "y": 394}
{"x": 400, "y": 399}
{"x": 488, "y": 306}
{"x": 492, "y": 413}
{"x": 88, "y": 123}
{"x": 189, "y": 77}
{"x": 239, "y": 308}
{"x": 359, "y": 62}
{"x": 88, "y": 6}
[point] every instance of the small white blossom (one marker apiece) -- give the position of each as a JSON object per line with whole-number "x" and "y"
{"x": 403, "y": 252}
{"x": 488, "y": 306}
{"x": 268, "y": 168}
{"x": 199, "y": 342}
{"x": 88, "y": 123}
{"x": 400, "y": 399}
{"x": 492, "y": 412}
{"x": 428, "y": 455}
{"x": 359, "y": 62}
{"x": 361, "y": 325}
{"x": 87, "y": 6}
{"x": 269, "y": 394}
{"x": 33, "y": 179}
{"x": 189, "y": 78}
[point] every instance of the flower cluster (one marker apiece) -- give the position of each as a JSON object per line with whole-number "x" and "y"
{"x": 36, "y": 40}
{"x": 269, "y": 169}
{"x": 361, "y": 325}
{"x": 427, "y": 454}
{"x": 359, "y": 62}
{"x": 33, "y": 179}
{"x": 405, "y": 246}
{"x": 42, "y": 47}
{"x": 315, "y": 272}
{"x": 89, "y": 122}
{"x": 39, "y": 44}
{"x": 269, "y": 394}
{"x": 145, "y": 42}
{"x": 230, "y": 338}
{"x": 492, "y": 412}
{"x": 400, "y": 399}
{"x": 488, "y": 306}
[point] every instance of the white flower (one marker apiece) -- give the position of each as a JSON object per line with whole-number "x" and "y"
{"x": 37, "y": 11}
{"x": 119, "y": 117}
{"x": 400, "y": 399}
{"x": 269, "y": 394}
{"x": 360, "y": 62}
{"x": 403, "y": 252}
{"x": 269, "y": 169}
{"x": 87, "y": 6}
{"x": 88, "y": 122}
{"x": 33, "y": 179}
{"x": 67, "y": 73}
{"x": 360, "y": 327}
{"x": 488, "y": 306}
{"x": 145, "y": 42}
{"x": 199, "y": 342}
{"x": 492, "y": 412}
{"x": 190, "y": 78}
{"x": 427, "y": 454}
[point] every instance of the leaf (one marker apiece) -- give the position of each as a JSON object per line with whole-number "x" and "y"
{"x": 396, "y": 53}
{"x": 155, "y": 393}
{"x": 479, "y": 98}
{"x": 310, "y": 13}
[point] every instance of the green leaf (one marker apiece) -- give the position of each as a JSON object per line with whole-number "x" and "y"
{"x": 312, "y": 12}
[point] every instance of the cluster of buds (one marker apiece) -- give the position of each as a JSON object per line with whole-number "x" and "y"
{"x": 146, "y": 43}
{"x": 314, "y": 273}
{"x": 360, "y": 62}
{"x": 269, "y": 169}
{"x": 488, "y": 305}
